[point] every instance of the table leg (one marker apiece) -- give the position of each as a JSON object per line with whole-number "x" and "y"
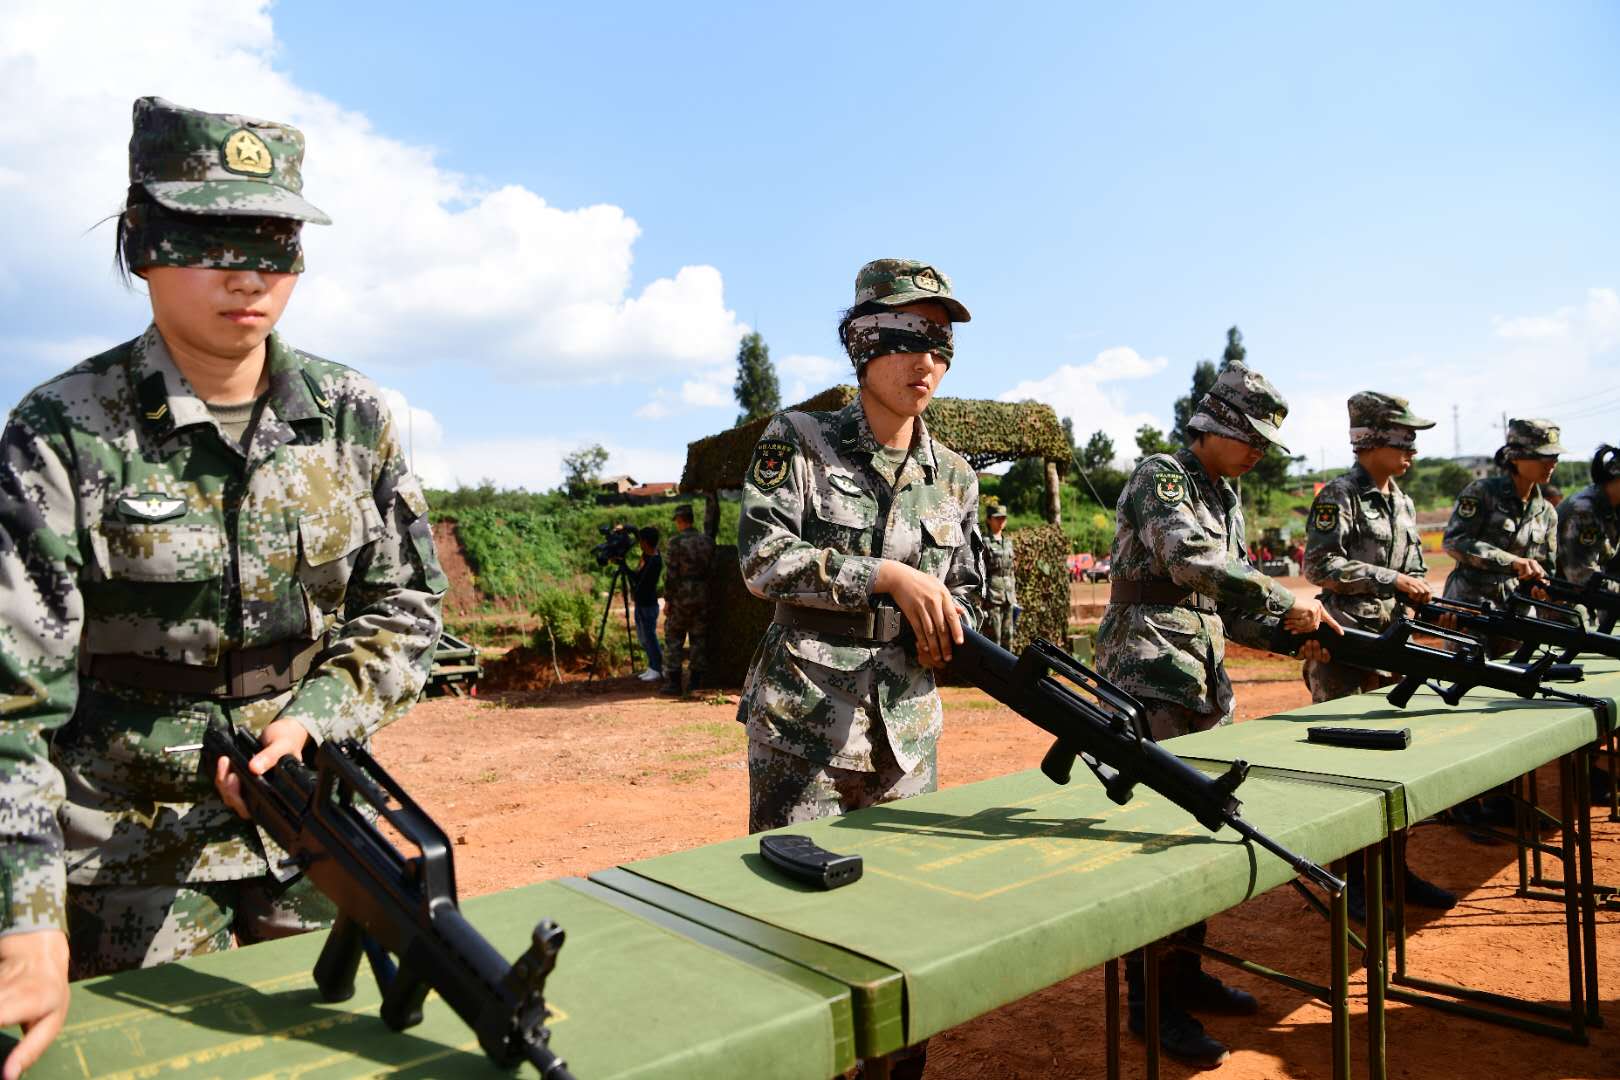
{"x": 1572, "y": 889}
{"x": 1339, "y": 983}
{"x": 1374, "y": 958}
{"x": 1582, "y": 824}
{"x": 1150, "y": 987}
{"x": 1111, "y": 1015}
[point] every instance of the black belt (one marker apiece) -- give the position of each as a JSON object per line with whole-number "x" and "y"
{"x": 876, "y": 625}
{"x": 242, "y": 673}
{"x": 1166, "y": 593}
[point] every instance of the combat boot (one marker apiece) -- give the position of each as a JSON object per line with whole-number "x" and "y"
{"x": 695, "y": 682}
{"x": 1181, "y": 1036}
{"x": 1427, "y": 894}
{"x": 672, "y": 685}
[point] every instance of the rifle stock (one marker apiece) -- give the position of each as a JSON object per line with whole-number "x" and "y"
{"x": 394, "y": 905}
{"x": 1102, "y": 726}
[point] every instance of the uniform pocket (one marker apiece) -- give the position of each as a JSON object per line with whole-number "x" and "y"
{"x": 162, "y": 551}
{"x": 329, "y": 543}
{"x": 413, "y": 510}
{"x": 943, "y": 532}
{"x": 842, "y": 500}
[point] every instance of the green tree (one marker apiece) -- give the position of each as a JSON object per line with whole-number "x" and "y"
{"x": 756, "y": 388}
{"x": 582, "y": 471}
{"x": 1098, "y": 452}
{"x": 1203, "y": 378}
{"x": 1269, "y": 476}
{"x": 1068, "y": 431}
{"x": 1150, "y": 440}
{"x": 1024, "y": 486}
{"x": 1235, "y": 352}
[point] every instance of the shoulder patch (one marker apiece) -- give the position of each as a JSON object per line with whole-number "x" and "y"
{"x": 1467, "y": 506}
{"x": 1169, "y": 487}
{"x": 769, "y": 469}
{"x": 1325, "y": 516}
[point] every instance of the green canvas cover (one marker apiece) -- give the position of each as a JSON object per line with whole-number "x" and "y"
{"x": 634, "y": 1001}
{"x": 984, "y": 893}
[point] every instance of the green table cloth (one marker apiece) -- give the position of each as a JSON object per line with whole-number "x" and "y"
{"x": 632, "y": 998}
{"x": 984, "y": 893}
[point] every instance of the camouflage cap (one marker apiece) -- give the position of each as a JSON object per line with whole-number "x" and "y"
{"x": 996, "y": 511}
{"x": 893, "y": 282}
{"x": 218, "y": 163}
{"x": 683, "y": 510}
{"x": 1533, "y": 438}
{"x": 1383, "y": 420}
{"x": 1242, "y": 405}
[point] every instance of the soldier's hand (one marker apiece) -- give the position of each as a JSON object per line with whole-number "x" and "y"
{"x": 280, "y": 738}
{"x": 927, "y": 605}
{"x": 1307, "y": 614}
{"x": 1528, "y": 570}
{"x": 1415, "y": 589}
{"x": 33, "y": 993}
{"x": 1315, "y": 650}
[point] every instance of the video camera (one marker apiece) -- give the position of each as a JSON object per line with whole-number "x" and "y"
{"x": 619, "y": 538}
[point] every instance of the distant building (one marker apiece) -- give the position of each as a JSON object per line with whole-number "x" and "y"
{"x": 624, "y": 491}
{"x": 1478, "y": 467}
{"x": 615, "y": 485}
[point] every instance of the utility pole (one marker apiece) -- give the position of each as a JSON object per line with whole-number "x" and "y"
{"x": 1456, "y": 434}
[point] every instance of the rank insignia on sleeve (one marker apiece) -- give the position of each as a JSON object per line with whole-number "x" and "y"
{"x": 1325, "y": 517}
{"x": 1169, "y": 487}
{"x": 1589, "y": 537}
{"x": 1467, "y": 506}
{"x": 769, "y": 469}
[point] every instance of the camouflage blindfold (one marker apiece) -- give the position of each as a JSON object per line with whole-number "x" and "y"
{"x": 1396, "y": 435}
{"x": 868, "y": 337}
{"x": 154, "y": 235}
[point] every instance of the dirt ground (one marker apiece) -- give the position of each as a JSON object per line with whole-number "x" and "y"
{"x": 536, "y": 785}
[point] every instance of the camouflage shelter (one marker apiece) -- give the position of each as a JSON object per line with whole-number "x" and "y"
{"x": 985, "y": 432}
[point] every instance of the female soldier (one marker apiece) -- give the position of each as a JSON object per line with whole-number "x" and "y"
{"x": 851, "y": 520}
{"x": 201, "y": 524}
{"x": 1589, "y": 522}
{"x": 1502, "y": 531}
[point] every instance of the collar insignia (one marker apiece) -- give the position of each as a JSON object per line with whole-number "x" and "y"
{"x": 158, "y": 413}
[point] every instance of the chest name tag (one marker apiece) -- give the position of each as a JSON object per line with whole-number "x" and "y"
{"x": 150, "y": 506}
{"x": 769, "y": 469}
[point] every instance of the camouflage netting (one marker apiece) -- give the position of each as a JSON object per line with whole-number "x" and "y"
{"x": 984, "y": 432}
{"x": 737, "y": 620}
{"x": 1041, "y": 568}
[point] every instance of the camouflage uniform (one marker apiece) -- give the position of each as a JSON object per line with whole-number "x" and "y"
{"x": 688, "y": 559}
{"x": 1001, "y": 591}
{"x": 1588, "y": 535}
{"x": 837, "y": 721}
{"x": 136, "y": 537}
{"x": 1358, "y": 540}
{"x": 1491, "y": 526}
{"x": 1179, "y": 528}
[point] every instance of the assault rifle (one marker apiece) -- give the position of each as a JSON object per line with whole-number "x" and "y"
{"x": 1102, "y": 725}
{"x": 1419, "y": 664}
{"x": 390, "y": 903}
{"x": 1534, "y": 632}
{"x": 1596, "y": 596}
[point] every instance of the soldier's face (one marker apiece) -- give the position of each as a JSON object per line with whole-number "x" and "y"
{"x": 1538, "y": 470}
{"x": 996, "y": 525}
{"x": 225, "y": 314}
{"x": 1390, "y": 460}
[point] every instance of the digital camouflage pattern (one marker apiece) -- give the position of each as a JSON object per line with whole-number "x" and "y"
{"x": 688, "y": 559}
{"x": 129, "y": 524}
{"x": 868, "y": 337}
{"x": 1175, "y": 523}
{"x": 1242, "y": 405}
{"x": 1001, "y": 590}
{"x": 1357, "y": 541}
{"x": 218, "y": 163}
{"x": 1491, "y": 526}
{"x": 1588, "y": 535}
{"x": 786, "y": 789}
{"x": 1383, "y": 420}
{"x": 896, "y": 282}
{"x": 1533, "y": 438}
{"x": 115, "y": 928}
{"x": 816, "y": 540}
{"x": 154, "y": 236}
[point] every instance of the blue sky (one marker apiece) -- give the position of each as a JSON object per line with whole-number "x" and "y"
{"x": 1418, "y": 202}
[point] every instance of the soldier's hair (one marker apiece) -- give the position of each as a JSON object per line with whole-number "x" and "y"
{"x": 870, "y": 307}
{"x": 649, "y": 533}
{"x": 1605, "y": 465}
{"x": 683, "y": 514}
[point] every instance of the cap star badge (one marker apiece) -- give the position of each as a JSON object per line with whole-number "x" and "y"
{"x": 245, "y": 153}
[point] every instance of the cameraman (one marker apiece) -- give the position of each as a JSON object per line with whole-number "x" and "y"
{"x": 644, "y": 590}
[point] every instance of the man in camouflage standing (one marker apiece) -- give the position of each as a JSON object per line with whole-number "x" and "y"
{"x": 1589, "y": 543}
{"x": 688, "y": 559}
{"x": 200, "y": 525}
{"x": 1181, "y": 583}
{"x": 1363, "y": 548}
{"x": 1000, "y": 589}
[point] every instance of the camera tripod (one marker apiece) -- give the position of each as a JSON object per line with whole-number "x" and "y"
{"x": 619, "y": 586}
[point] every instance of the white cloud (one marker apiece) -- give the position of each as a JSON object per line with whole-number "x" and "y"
{"x": 1079, "y": 392}
{"x": 423, "y": 266}
{"x": 534, "y": 463}
{"x": 802, "y": 375}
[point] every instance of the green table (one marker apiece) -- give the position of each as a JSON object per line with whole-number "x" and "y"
{"x": 1490, "y": 739}
{"x": 634, "y": 995}
{"x": 981, "y": 894}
